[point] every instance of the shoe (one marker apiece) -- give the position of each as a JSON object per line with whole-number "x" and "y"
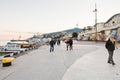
{"x": 113, "y": 63}
{"x": 109, "y": 62}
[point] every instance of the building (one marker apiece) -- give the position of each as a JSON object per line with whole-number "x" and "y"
{"x": 104, "y": 29}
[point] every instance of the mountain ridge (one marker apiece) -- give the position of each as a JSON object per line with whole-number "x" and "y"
{"x": 68, "y": 30}
{"x": 76, "y": 29}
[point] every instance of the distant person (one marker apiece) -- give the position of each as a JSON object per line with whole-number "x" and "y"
{"x": 110, "y": 46}
{"x": 58, "y": 41}
{"x": 52, "y": 43}
{"x": 69, "y": 44}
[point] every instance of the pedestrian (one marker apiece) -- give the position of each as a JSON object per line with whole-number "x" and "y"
{"x": 69, "y": 44}
{"x": 110, "y": 46}
{"x": 58, "y": 41}
{"x": 52, "y": 43}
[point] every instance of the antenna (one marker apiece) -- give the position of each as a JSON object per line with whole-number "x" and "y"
{"x": 95, "y": 20}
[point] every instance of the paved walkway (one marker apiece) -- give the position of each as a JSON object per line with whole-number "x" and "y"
{"x": 94, "y": 66}
{"x": 88, "y": 61}
{"x": 40, "y": 64}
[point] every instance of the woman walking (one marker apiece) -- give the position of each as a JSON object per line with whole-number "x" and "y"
{"x": 110, "y": 46}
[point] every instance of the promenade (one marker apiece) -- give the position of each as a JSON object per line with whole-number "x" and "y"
{"x": 87, "y": 61}
{"x": 94, "y": 66}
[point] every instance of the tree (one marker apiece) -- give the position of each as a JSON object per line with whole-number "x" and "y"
{"x": 89, "y": 28}
{"x": 74, "y": 34}
{"x": 84, "y": 29}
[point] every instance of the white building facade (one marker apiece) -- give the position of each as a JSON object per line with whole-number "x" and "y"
{"x": 101, "y": 31}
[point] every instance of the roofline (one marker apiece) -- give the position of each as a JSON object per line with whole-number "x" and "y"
{"x": 112, "y": 17}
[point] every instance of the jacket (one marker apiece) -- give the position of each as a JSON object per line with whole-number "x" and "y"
{"x": 52, "y": 43}
{"x": 110, "y": 45}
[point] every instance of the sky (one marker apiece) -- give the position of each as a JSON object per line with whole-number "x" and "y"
{"x": 28, "y": 17}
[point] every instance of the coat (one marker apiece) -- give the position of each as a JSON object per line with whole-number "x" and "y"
{"x": 52, "y": 43}
{"x": 70, "y": 42}
{"x": 110, "y": 46}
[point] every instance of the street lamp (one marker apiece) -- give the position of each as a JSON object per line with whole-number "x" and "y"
{"x": 95, "y": 20}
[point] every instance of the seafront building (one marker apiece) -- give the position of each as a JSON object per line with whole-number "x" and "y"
{"x": 101, "y": 31}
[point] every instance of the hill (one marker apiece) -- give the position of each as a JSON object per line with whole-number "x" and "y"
{"x": 64, "y": 31}
{"x": 73, "y": 30}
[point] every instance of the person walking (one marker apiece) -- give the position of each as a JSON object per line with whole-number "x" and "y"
{"x": 58, "y": 41}
{"x": 69, "y": 44}
{"x": 52, "y": 43}
{"x": 110, "y": 46}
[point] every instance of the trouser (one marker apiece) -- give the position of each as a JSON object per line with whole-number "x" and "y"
{"x": 51, "y": 48}
{"x": 71, "y": 47}
{"x": 67, "y": 46}
{"x": 110, "y": 58}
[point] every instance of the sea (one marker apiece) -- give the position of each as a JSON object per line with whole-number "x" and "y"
{"x": 3, "y": 42}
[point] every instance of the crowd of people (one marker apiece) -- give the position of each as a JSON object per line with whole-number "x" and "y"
{"x": 111, "y": 44}
{"x": 69, "y": 43}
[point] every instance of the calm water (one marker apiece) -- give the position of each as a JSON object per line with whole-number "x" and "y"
{"x": 3, "y": 42}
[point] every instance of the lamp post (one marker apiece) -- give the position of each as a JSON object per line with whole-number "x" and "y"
{"x": 95, "y": 20}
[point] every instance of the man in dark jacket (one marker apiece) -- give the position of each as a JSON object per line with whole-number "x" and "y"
{"x": 110, "y": 46}
{"x": 52, "y": 43}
